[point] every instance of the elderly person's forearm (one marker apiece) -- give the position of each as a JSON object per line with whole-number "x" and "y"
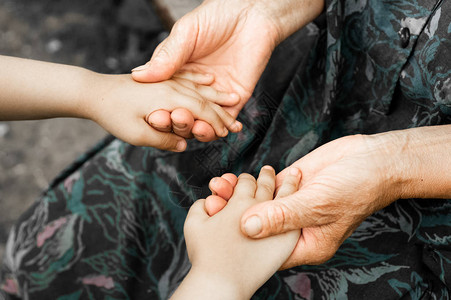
{"x": 418, "y": 161}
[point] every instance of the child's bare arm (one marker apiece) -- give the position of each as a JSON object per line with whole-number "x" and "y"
{"x": 38, "y": 90}
{"x": 225, "y": 263}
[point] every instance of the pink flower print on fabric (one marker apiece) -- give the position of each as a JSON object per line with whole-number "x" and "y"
{"x": 300, "y": 284}
{"x": 10, "y": 286}
{"x": 100, "y": 281}
{"x": 49, "y": 230}
{"x": 69, "y": 182}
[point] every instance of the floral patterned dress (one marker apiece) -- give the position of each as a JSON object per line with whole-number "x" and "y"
{"x": 110, "y": 226}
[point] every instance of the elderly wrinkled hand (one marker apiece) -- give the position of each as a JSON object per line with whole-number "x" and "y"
{"x": 230, "y": 40}
{"x": 343, "y": 182}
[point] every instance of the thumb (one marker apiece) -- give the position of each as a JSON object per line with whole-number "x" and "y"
{"x": 278, "y": 216}
{"x": 172, "y": 54}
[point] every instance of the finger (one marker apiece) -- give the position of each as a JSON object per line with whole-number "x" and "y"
{"x": 182, "y": 122}
{"x": 209, "y": 93}
{"x": 204, "y": 110}
{"x": 150, "y": 137}
{"x": 160, "y": 120}
{"x": 215, "y": 96}
{"x": 199, "y": 78}
{"x": 280, "y": 177}
{"x": 265, "y": 184}
{"x": 227, "y": 119}
{"x": 203, "y": 132}
{"x": 196, "y": 213}
{"x": 286, "y": 214}
{"x": 230, "y": 178}
{"x": 221, "y": 187}
{"x": 214, "y": 204}
{"x": 170, "y": 55}
{"x": 245, "y": 187}
{"x": 290, "y": 183}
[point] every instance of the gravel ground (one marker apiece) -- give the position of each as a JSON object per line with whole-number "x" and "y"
{"x": 105, "y": 36}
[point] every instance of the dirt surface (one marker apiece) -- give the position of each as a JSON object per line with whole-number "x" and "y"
{"x": 106, "y": 36}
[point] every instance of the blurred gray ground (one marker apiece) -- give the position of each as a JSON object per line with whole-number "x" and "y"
{"x": 110, "y": 36}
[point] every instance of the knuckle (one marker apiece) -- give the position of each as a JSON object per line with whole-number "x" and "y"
{"x": 245, "y": 176}
{"x": 218, "y": 94}
{"x": 203, "y": 104}
{"x": 159, "y": 47}
{"x": 191, "y": 222}
{"x": 277, "y": 217}
{"x": 164, "y": 52}
{"x": 266, "y": 186}
{"x": 292, "y": 182}
{"x": 198, "y": 204}
{"x": 178, "y": 26}
{"x": 286, "y": 191}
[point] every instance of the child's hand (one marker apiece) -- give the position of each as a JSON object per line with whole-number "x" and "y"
{"x": 221, "y": 256}
{"x": 122, "y": 106}
{"x": 181, "y": 121}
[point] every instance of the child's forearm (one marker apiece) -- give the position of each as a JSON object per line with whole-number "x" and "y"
{"x": 37, "y": 90}
{"x": 199, "y": 285}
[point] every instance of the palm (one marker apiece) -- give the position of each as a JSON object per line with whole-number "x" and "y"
{"x": 231, "y": 40}
{"x": 234, "y": 50}
{"x": 344, "y": 187}
{"x": 328, "y": 235}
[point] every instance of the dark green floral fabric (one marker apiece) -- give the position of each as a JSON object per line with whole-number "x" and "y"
{"x": 110, "y": 226}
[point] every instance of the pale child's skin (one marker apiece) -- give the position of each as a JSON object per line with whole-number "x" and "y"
{"x": 37, "y": 90}
{"x": 225, "y": 263}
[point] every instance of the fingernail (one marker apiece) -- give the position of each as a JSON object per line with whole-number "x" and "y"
{"x": 181, "y": 126}
{"x": 158, "y": 126}
{"x": 140, "y": 68}
{"x": 253, "y": 226}
{"x": 267, "y": 167}
{"x": 294, "y": 171}
{"x": 224, "y": 132}
{"x": 237, "y": 125}
{"x": 181, "y": 145}
{"x": 234, "y": 96}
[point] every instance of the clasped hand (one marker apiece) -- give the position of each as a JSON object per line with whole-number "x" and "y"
{"x": 342, "y": 183}
{"x": 230, "y": 40}
{"x": 225, "y": 263}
